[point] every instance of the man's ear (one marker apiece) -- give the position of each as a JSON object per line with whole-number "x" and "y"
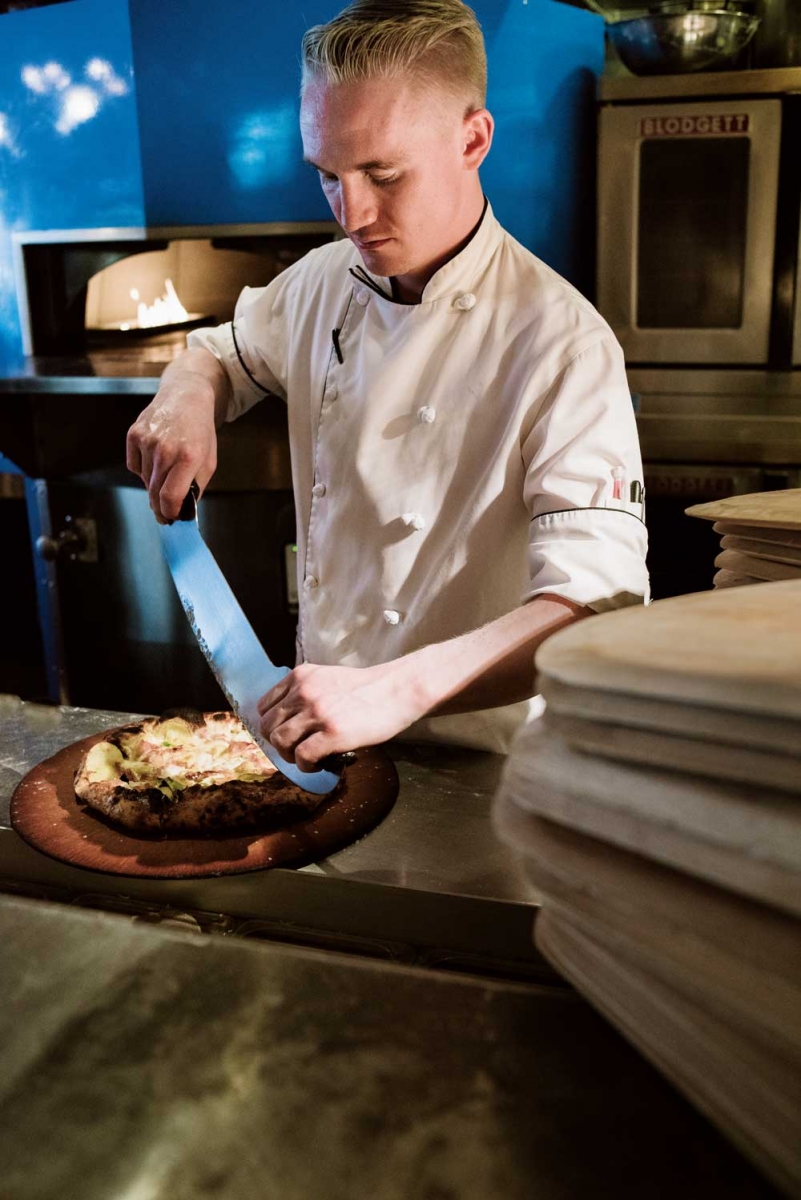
{"x": 478, "y": 130}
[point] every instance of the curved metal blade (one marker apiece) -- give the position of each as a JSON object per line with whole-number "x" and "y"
{"x": 226, "y": 637}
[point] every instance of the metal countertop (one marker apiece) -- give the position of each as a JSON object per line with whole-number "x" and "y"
{"x": 433, "y": 873}
{"x": 144, "y": 1062}
{"x": 119, "y": 372}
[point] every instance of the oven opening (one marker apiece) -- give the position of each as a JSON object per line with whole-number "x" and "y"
{"x": 131, "y": 295}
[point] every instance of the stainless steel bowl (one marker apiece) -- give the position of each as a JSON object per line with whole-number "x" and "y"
{"x": 671, "y": 43}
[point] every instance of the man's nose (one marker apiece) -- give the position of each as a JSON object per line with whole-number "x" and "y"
{"x": 357, "y": 205}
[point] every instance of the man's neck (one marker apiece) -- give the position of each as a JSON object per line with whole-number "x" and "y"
{"x": 408, "y": 289}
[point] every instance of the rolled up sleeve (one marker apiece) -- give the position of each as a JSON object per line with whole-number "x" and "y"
{"x": 585, "y": 544}
{"x": 251, "y": 348}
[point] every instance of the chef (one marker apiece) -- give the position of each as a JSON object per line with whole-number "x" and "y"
{"x": 464, "y": 451}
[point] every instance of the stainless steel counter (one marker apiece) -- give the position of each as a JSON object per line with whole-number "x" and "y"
{"x": 432, "y": 876}
{"x": 438, "y": 837}
{"x": 147, "y": 1063}
{"x": 181, "y": 1051}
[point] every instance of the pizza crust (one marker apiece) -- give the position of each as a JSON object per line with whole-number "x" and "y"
{"x": 203, "y": 775}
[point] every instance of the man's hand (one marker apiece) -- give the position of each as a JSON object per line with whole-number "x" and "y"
{"x": 317, "y": 711}
{"x": 174, "y": 440}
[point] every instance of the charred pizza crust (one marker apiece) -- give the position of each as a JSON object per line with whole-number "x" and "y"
{"x": 200, "y": 775}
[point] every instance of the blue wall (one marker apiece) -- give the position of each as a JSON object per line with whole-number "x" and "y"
{"x": 217, "y": 87}
{"x": 544, "y": 59}
{"x": 215, "y": 108}
{"x": 221, "y": 143}
{"x": 69, "y": 140}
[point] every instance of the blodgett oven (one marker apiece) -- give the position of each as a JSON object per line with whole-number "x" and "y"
{"x": 699, "y": 195}
{"x": 699, "y": 212}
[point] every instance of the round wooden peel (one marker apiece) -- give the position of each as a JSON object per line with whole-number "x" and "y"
{"x": 756, "y": 548}
{"x": 781, "y": 509}
{"x": 47, "y": 815}
{"x": 724, "y": 579}
{"x": 695, "y": 756}
{"x": 743, "y": 838}
{"x": 721, "y": 726}
{"x": 742, "y": 563}
{"x": 769, "y": 535}
{"x": 732, "y": 648}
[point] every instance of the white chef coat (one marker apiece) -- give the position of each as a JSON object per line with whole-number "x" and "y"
{"x": 457, "y": 462}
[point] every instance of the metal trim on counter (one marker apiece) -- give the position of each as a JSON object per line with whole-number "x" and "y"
{"x": 135, "y": 233}
{"x": 717, "y": 388}
{"x": 768, "y": 81}
{"x": 78, "y": 385}
{"x": 769, "y": 441}
{"x": 718, "y": 415}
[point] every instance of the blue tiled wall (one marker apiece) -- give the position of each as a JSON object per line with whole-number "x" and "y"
{"x": 215, "y": 108}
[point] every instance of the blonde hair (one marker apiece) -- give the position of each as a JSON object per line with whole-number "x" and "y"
{"x": 439, "y": 41}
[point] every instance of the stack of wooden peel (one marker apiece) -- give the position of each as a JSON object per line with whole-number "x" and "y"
{"x": 760, "y": 536}
{"x": 657, "y": 805}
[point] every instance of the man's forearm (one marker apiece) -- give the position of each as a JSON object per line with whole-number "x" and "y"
{"x": 198, "y": 374}
{"x": 174, "y": 440}
{"x": 490, "y": 666}
{"x": 319, "y": 710}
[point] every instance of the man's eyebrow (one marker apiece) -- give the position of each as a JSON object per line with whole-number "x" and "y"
{"x": 375, "y": 164}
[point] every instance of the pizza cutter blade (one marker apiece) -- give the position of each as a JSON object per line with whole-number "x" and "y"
{"x": 231, "y": 648}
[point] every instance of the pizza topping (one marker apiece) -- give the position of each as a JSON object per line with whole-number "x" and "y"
{"x": 174, "y": 754}
{"x": 197, "y": 774}
{"x": 103, "y": 762}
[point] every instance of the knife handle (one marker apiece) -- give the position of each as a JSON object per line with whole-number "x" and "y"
{"x": 336, "y": 762}
{"x": 189, "y": 507}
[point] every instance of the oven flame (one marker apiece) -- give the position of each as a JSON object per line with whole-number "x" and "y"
{"x": 165, "y": 310}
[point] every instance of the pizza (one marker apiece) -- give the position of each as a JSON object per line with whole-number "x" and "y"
{"x": 195, "y": 773}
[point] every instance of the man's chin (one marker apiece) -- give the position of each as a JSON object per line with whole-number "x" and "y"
{"x": 384, "y": 256}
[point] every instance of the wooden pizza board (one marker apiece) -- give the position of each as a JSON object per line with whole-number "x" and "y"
{"x": 726, "y": 728}
{"x": 714, "y": 946}
{"x": 744, "y": 839}
{"x": 46, "y": 814}
{"x": 775, "y": 537}
{"x": 725, "y": 579}
{"x": 731, "y": 648}
{"x": 751, "y": 1013}
{"x": 773, "y": 551}
{"x": 743, "y": 563}
{"x": 750, "y": 1093}
{"x": 653, "y": 748}
{"x": 781, "y": 509}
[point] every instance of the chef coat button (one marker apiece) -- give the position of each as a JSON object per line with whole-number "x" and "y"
{"x": 362, "y": 296}
{"x": 391, "y": 617}
{"x": 318, "y": 489}
{"x": 426, "y": 415}
{"x": 413, "y": 520}
{"x": 466, "y": 301}
{"x": 312, "y": 581}
{"x": 331, "y": 394}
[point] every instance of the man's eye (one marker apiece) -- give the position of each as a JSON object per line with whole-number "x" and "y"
{"x": 383, "y": 180}
{"x": 324, "y": 179}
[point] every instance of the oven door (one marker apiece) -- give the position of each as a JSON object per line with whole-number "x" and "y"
{"x": 687, "y": 220}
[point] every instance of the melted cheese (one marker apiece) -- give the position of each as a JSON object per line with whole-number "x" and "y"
{"x": 173, "y": 755}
